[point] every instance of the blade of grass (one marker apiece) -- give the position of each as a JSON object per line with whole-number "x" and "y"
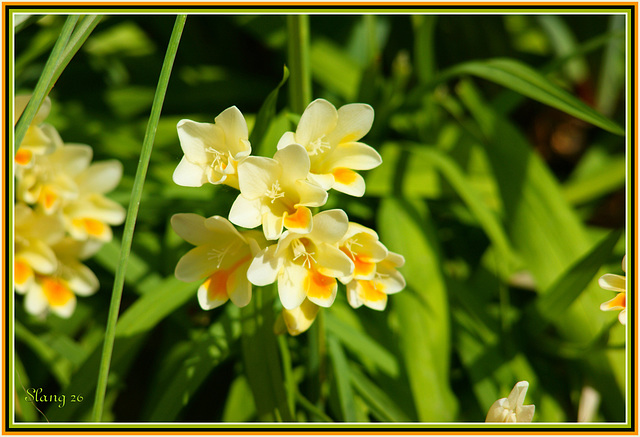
{"x": 266, "y": 114}
{"x": 132, "y": 213}
{"x": 342, "y": 376}
{"x": 298, "y": 55}
{"x": 80, "y": 34}
{"x": 45, "y": 80}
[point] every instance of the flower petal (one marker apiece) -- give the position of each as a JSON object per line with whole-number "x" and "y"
{"x": 234, "y": 126}
{"x": 291, "y": 285}
{"x": 294, "y": 160}
{"x": 192, "y": 228}
{"x": 333, "y": 262}
{"x": 188, "y": 174}
{"x": 321, "y": 289}
{"x": 245, "y": 212}
{"x": 256, "y": 175}
{"x": 613, "y": 282}
{"x": 325, "y": 181}
{"x": 617, "y": 303}
{"x": 239, "y": 287}
{"x": 286, "y": 139}
{"x": 318, "y": 119}
{"x": 300, "y": 319}
{"x": 357, "y": 156}
{"x": 622, "y": 317}
{"x": 272, "y": 225}
{"x": 354, "y": 121}
{"x": 196, "y": 137}
{"x": 195, "y": 264}
{"x": 81, "y": 279}
{"x": 265, "y": 267}
{"x": 311, "y": 194}
{"x": 35, "y": 301}
{"x": 330, "y": 226}
{"x": 213, "y": 291}
{"x": 300, "y": 222}
{"x": 101, "y": 177}
{"x": 348, "y": 182}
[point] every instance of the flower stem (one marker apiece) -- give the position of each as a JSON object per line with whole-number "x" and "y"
{"x": 45, "y": 81}
{"x": 298, "y": 55}
{"x": 132, "y": 212}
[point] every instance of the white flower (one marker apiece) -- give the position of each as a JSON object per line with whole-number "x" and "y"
{"x": 57, "y": 292}
{"x": 511, "y": 410}
{"x": 361, "y": 245}
{"x": 222, "y": 255}
{"x": 212, "y": 150}
{"x": 275, "y": 193}
{"x": 90, "y": 213}
{"x": 306, "y": 265}
{"x": 331, "y": 140}
{"x": 618, "y": 284}
{"x": 50, "y": 182}
{"x": 373, "y": 292}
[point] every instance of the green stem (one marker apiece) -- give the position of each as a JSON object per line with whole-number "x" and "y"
{"x": 298, "y": 55}
{"x": 46, "y": 79}
{"x": 80, "y": 35}
{"x": 132, "y": 212}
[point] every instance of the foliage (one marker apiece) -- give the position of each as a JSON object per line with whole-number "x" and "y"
{"x": 502, "y": 185}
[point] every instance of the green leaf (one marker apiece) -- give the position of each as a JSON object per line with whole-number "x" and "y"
{"x": 382, "y": 406}
{"x": 424, "y": 336}
{"x": 341, "y": 373}
{"x": 524, "y": 80}
{"x": 261, "y": 358}
{"x": 239, "y": 406}
{"x": 334, "y": 69}
{"x": 266, "y": 114}
{"x": 554, "y": 302}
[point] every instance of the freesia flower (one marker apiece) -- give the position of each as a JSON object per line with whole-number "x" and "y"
{"x": 57, "y": 292}
{"x": 617, "y": 283}
{"x": 40, "y": 138}
{"x": 373, "y": 292}
{"x": 212, "y": 150}
{"x": 361, "y": 245}
{"x": 50, "y": 182}
{"x": 297, "y": 320}
{"x": 511, "y": 410}
{"x": 306, "y": 265}
{"x": 275, "y": 193}
{"x": 90, "y": 213}
{"x": 222, "y": 255}
{"x": 35, "y": 233}
{"x": 330, "y": 137}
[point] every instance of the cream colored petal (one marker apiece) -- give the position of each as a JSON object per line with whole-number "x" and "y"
{"x": 188, "y": 174}
{"x": 192, "y": 228}
{"x": 318, "y": 119}
{"x": 265, "y": 267}
{"x": 517, "y": 395}
{"x": 332, "y": 261}
{"x": 256, "y": 176}
{"x": 245, "y": 212}
{"x": 622, "y": 317}
{"x": 498, "y": 412}
{"x": 234, "y": 126}
{"x": 353, "y": 296}
{"x": 354, "y": 122}
{"x": 321, "y": 290}
{"x": 352, "y": 185}
{"x": 40, "y": 257}
{"x": 300, "y": 319}
{"x": 378, "y": 304}
{"x": 286, "y": 139}
{"x": 272, "y": 225}
{"x": 72, "y": 159}
{"x": 294, "y": 161}
{"x": 291, "y": 288}
{"x": 211, "y": 294}
{"x": 101, "y": 177}
{"x": 329, "y": 226}
{"x": 195, "y": 264}
{"x": 356, "y": 156}
{"x": 311, "y": 194}
{"x": 525, "y": 413}
{"x": 239, "y": 287}
{"x": 35, "y": 301}
{"x": 613, "y": 282}
{"x": 301, "y": 222}
{"x": 195, "y": 138}
{"x": 81, "y": 279}
{"x": 325, "y": 181}
{"x": 65, "y": 311}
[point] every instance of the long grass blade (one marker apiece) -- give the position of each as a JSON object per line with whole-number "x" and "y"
{"x": 132, "y": 213}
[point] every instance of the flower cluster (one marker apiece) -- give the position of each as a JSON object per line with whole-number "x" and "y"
{"x": 305, "y": 253}
{"x": 617, "y": 283}
{"x": 61, "y": 216}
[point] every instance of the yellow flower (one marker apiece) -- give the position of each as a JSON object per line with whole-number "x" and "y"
{"x": 297, "y": 320}
{"x": 330, "y": 137}
{"x": 618, "y": 284}
{"x": 212, "y": 150}
{"x": 222, "y": 255}
{"x": 361, "y": 245}
{"x": 511, "y": 410}
{"x": 373, "y": 292}
{"x": 305, "y": 265}
{"x": 275, "y": 193}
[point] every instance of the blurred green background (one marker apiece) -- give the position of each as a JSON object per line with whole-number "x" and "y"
{"x": 506, "y": 209}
